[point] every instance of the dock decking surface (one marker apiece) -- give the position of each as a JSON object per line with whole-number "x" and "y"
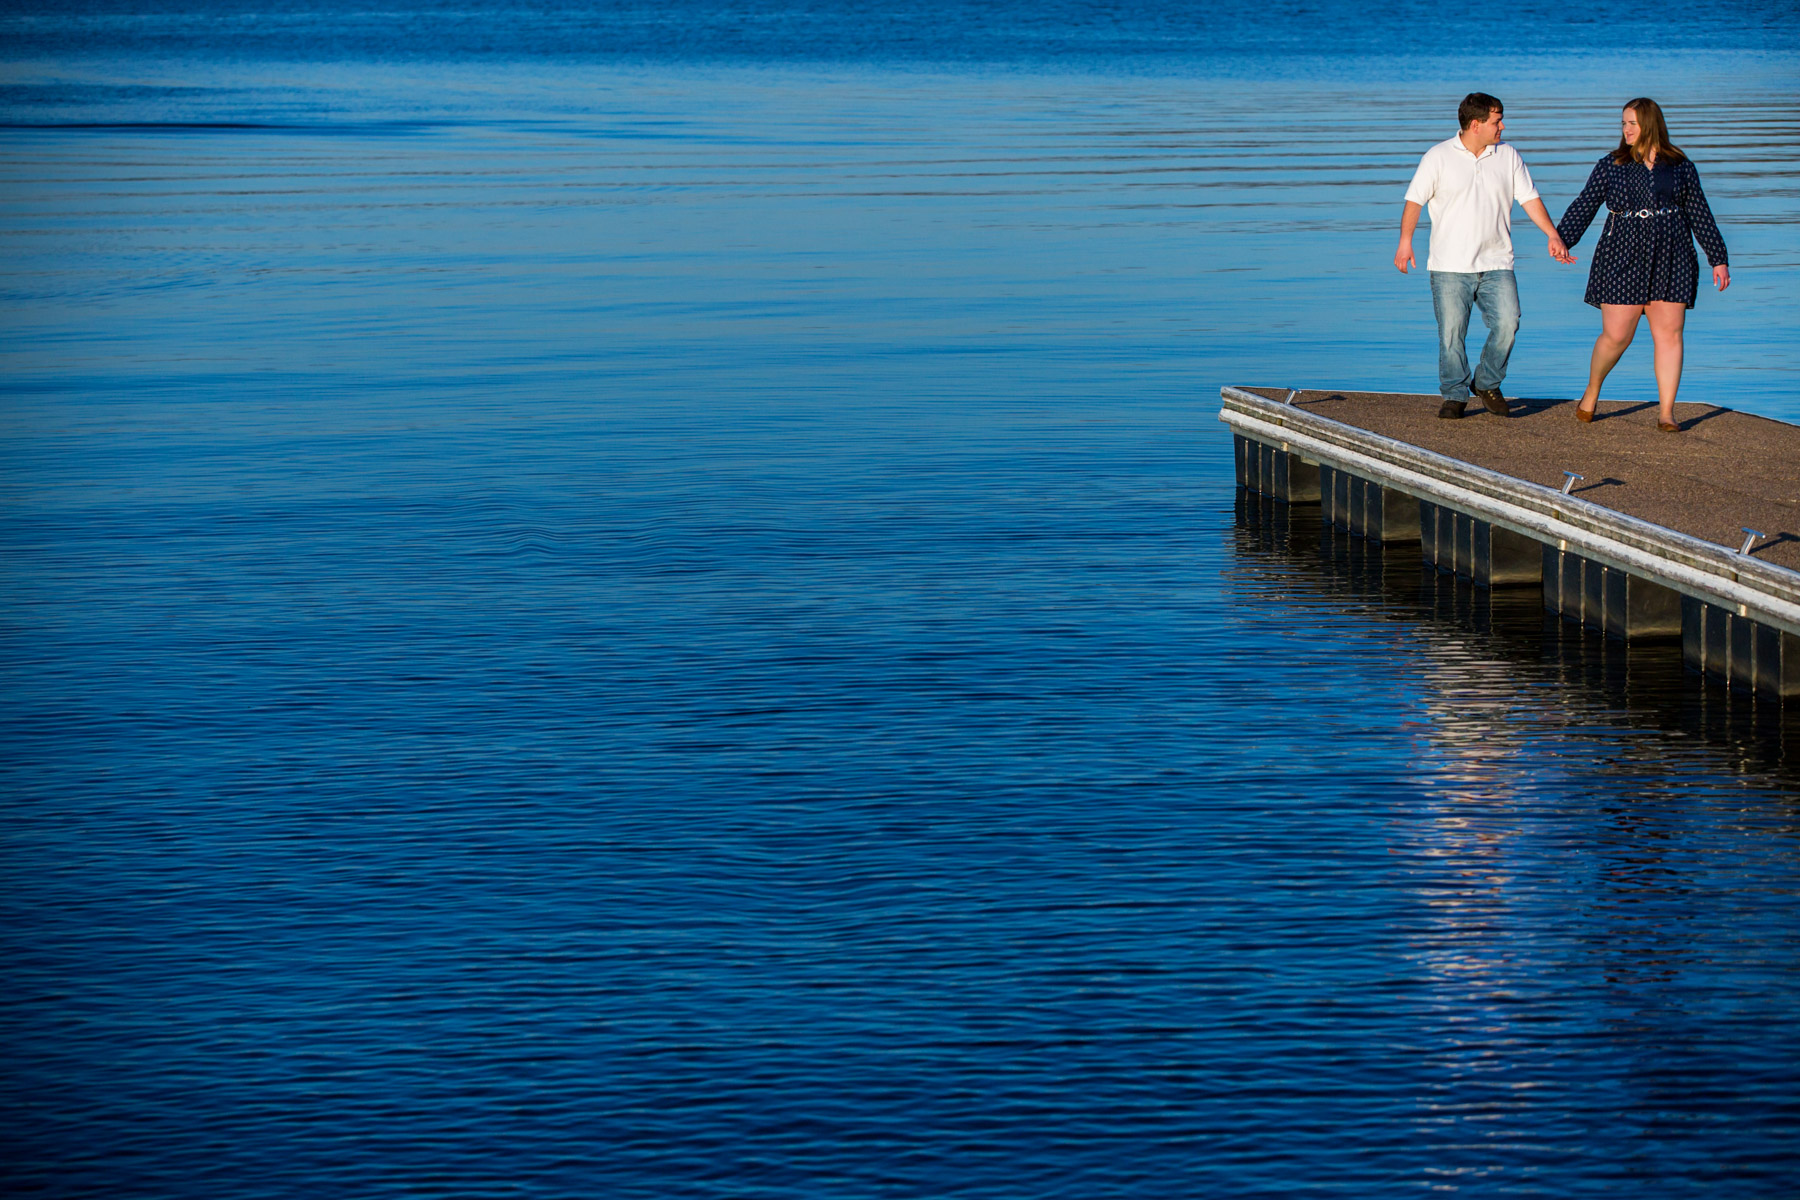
{"x": 1726, "y": 470}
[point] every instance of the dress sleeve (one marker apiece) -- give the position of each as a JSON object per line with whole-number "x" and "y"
{"x": 1580, "y": 213}
{"x": 1692, "y": 202}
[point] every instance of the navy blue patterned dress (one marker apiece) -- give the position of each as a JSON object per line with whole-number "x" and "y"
{"x": 1644, "y": 258}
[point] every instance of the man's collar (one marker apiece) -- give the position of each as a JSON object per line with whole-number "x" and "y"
{"x": 1485, "y": 152}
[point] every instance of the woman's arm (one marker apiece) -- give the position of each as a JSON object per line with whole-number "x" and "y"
{"x": 1580, "y": 214}
{"x": 1692, "y": 201}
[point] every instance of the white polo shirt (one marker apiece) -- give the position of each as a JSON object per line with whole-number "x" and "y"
{"x": 1470, "y": 199}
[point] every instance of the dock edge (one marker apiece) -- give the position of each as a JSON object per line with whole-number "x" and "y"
{"x": 1600, "y": 566}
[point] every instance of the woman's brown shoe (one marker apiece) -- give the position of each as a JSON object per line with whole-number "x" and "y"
{"x": 1668, "y": 427}
{"x": 1585, "y": 415}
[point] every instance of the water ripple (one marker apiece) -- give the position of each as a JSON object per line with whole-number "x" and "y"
{"x": 662, "y": 630}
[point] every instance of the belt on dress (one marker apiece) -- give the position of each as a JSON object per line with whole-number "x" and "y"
{"x": 1642, "y": 212}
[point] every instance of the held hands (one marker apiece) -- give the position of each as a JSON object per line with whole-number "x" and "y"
{"x": 1721, "y": 277}
{"x": 1403, "y": 257}
{"x": 1540, "y": 216}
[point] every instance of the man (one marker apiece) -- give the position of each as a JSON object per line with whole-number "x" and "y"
{"x": 1471, "y": 183}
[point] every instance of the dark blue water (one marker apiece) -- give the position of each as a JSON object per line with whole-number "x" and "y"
{"x": 945, "y": 31}
{"x": 648, "y": 601}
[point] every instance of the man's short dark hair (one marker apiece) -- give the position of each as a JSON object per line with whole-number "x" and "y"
{"x": 1475, "y": 108}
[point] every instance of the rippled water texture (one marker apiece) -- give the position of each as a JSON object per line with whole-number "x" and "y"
{"x": 664, "y": 614}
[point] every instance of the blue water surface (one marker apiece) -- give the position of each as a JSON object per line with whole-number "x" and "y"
{"x": 625, "y": 600}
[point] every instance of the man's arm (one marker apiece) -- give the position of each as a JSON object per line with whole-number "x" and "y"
{"x": 1534, "y": 208}
{"x": 1409, "y": 221}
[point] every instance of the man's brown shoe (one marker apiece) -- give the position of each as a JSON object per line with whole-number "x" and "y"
{"x": 1496, "y": 403}
{"x": 1450, "y": 410}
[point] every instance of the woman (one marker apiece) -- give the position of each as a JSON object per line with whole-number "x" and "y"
{"x": 1645, "y": 261}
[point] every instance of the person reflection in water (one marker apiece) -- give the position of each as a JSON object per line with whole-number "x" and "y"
{"x": 1470, "y": 184}
{"x": 1644, "y": 264}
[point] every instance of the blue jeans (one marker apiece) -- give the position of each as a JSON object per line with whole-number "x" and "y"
{"x": 1453, "y": 293}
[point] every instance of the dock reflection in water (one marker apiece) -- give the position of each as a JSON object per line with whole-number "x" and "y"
{"x": 1495, "y": 659}
{"x": 1578, "y": 850}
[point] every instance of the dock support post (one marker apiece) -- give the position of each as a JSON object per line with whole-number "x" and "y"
{"x": 1483, "y": 553}
{"x": 1634, "y": 609}
{"x": 1275, "y": 471}
{"x": 1744, "y": 653}
{"x": 1609, "y": 600}
{"x": 1366, "y": 508}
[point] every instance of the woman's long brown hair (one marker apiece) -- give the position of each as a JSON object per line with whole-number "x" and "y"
{"x": 1652, "y": 131}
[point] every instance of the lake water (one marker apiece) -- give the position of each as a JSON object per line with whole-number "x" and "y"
{"x": 648, "y": 601}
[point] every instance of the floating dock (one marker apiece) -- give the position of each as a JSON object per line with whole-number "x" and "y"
{"x": 1634, "y": 533}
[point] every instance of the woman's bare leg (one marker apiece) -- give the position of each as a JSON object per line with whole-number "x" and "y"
{"x": 1618, "y": 322}
{"x": 1666, "y": 321}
